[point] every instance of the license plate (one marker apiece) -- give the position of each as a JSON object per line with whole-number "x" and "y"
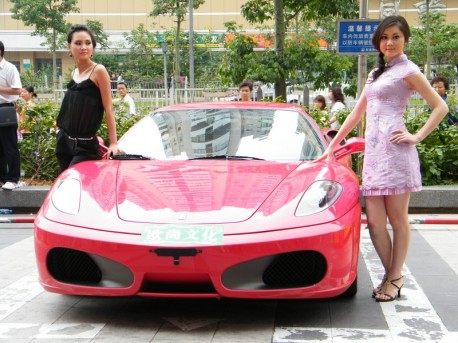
{"x": 182, "y": 234}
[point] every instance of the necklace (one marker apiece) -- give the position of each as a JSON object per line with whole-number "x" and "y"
{"x": 80, "y": 77}
{"x": 85, "y": 70}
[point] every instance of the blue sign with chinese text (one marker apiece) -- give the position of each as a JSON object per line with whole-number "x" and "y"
{"x": 355, "y": 36}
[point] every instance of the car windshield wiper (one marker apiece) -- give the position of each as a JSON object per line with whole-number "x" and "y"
{"x": 230, "y": 157}
{"x": 214, "y": 157}
{"x": 226, "y": 157}
{"x": 130, "y": 157}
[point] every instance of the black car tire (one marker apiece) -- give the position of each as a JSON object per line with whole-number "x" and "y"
{"x": 352, "y": 290}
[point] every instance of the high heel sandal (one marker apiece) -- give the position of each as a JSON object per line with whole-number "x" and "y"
{"x": 384, "y": 290}
{"x": 378, "y": 289}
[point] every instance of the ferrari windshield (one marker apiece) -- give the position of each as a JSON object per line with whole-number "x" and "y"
{"x": 232, "y": 133}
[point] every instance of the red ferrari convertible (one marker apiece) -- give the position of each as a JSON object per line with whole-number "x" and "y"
{"x": 207, "y": 200}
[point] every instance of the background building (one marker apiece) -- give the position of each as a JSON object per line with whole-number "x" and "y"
{"x": 119, "y": 16}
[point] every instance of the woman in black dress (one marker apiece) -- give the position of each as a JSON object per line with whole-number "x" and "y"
{"x": 88, "y": 96}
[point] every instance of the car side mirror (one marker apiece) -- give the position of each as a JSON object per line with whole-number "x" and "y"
{"x": 352, "y": 146}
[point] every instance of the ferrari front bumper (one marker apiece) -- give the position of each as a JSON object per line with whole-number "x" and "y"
{"x": 305, "y": 262}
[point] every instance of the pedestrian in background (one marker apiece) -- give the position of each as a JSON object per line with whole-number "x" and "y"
{"x": 87, "y": 98}
{"x": 113, "y": 82}
{"x": 441, "y": 86}
{"x": 337, "y": 104}
{"x": 170, "y": 79}
{"x": 319, "y": 103}
{"x": 123, "y": 91}
{"x": 10, "y": 159}
{"x": 391, "y": 169}
{"x": 245, "y": 89}
{"x": 27, "y": 102}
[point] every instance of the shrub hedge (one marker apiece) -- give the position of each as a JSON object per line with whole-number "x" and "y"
{"x": 438, "y": 152}
{"x": 37, "y": 148}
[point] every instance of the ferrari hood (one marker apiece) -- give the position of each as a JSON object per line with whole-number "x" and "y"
{"x": 204, "y": 191}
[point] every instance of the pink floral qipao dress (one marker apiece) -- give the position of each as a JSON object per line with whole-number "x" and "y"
{"x": 389, "y": 168}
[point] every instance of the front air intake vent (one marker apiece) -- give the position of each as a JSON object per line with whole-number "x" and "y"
{"x": 295, "y": 269}
{"x": 73, "y": 266}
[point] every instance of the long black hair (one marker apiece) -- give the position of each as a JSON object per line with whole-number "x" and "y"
{"x": 402, "y": 24}
{"x": 30, "y": 90}
{"x": 338, "y": 95}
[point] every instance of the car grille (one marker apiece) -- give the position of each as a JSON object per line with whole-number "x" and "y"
{"x": 73, "y": 266}
{"x": 295, "y": 269}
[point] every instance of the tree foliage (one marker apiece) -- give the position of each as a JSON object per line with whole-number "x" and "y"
{"x": 259, "y": 11}
{"x": 206, "y": 62}
{"x": 178, "y": 9}
{"x": 38, "y": 149}
{"x": 140, "y": 63}
{"x": 283, "y": 12}
{"x": 47, "y": 16}
{"x": 438, "y": 152}
{"x": 97, "y": 29}
{"x": 444, "y": 45}
{"x": 239, "y": 58}
{"x": 303, "y": 62}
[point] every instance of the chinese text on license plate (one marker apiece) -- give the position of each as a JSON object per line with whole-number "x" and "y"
{"x": 189, "y": 234}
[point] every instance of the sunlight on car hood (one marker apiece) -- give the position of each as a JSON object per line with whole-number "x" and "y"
{"x": 196, "y": 191}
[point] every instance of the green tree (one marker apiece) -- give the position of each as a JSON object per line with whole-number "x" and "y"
{"x": 303, "y": 61}
{"x": 47, "y": 16}
{"x": 444, "y": 45}
{"x": 206, "y": 61}
{"x": 38, "y": 149}
{"x": 178, "y": 9}
{"x": 97, "y": 29}
{"x": 143, "y": 65}
{"x": 239, "y": 58}
{"x": 283, "y": 12}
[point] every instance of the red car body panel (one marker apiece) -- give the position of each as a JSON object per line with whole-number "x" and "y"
{"x": 253, "y": 204}
{"x": 212, "y": 262}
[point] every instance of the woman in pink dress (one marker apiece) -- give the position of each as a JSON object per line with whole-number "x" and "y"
{"x": 391, "y": 169}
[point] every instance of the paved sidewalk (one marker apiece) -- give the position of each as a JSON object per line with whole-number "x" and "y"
{"x": 426, "y": 312}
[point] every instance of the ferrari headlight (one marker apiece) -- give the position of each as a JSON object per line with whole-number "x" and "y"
{"x": 66, "y": 196}
{"x": 318, "y": 197}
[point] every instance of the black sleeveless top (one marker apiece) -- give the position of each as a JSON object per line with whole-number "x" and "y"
{"x": 81, "y": 112}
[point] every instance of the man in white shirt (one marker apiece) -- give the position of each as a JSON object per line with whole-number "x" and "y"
{"x": 126, "y": 98}
{"x": 10, "y": 159}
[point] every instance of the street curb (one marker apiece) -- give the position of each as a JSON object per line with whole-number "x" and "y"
{"x": 432, "y": 199}
{"x": 27, "y": 198}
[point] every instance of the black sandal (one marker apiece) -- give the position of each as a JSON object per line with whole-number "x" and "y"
{"x": 390, "y": 297}
{"x": 378, "y": 289}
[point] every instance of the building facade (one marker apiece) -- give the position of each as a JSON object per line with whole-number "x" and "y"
{"x": 120, "y": 16}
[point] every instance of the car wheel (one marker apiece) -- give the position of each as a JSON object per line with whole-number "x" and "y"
{"x": 352, "y": 290}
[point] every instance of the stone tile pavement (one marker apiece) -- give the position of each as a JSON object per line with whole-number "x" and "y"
{"x": 426, "y": 312}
